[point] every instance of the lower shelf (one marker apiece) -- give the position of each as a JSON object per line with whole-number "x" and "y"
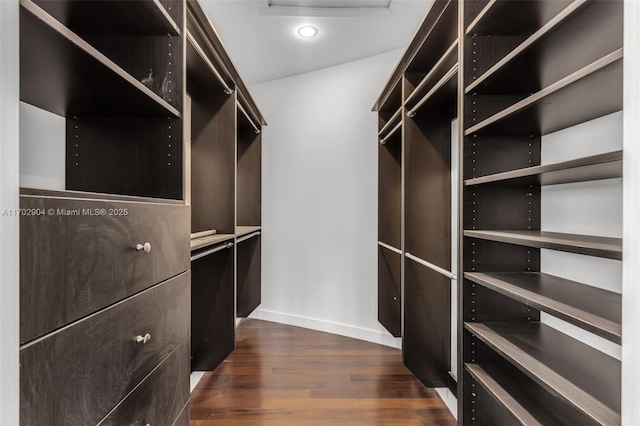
{"x": 524, "y": 400}
{"x": 576, "y": 373}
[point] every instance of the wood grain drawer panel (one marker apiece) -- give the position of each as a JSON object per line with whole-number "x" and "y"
{"x": 72, "y": 266}
{"x": 78, "y": 374}
{"x": 160, "y": 398}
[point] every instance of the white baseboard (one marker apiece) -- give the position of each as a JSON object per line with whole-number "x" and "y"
{"x": 374, "y": 336}
{"x": 449, "y": 399}
{"x": 194, "y": 379}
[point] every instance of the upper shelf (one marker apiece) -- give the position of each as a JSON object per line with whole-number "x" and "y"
{"x": 606, "y": 247}
{"x": 393, "y": 122}
{"x": 444, "y": 91}
{"x": 591, "y": 92}
{"x": 508, "y": 17}
{"x": 198, "y": 243}
{"x": 200, "y": 70}
{"x": 447, "y": 61}
{"x": 121, "y": 17}
{"x": 596, "y": 167}
{"x": 246, "y": 121}
{"x": 244, "y": 230}
{"x": 549, "y": 54}
{"x": 578, "y": 374}
{"x": 590, "y": 308}
{"x": 63, "y": 74}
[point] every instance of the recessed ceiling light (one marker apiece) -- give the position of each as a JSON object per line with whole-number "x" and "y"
{"x": 307, "y": 31}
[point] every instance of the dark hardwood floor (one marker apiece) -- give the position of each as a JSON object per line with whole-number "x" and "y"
{"x": 284, "y": 375}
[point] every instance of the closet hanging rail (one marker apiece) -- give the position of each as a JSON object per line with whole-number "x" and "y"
{"x": 431, "y": 266}
{"x": 388, "y": 247}
{"x": 246, "y": 237}
{"x": 439, "y": 85}
{"x": 256, "y": 129}
{"x": 213, "y": 250}
{"x": 213, "y": 69}
{"x": 391, "y": 133}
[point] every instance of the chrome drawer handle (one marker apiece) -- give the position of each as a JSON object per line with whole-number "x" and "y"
{"x": 143, "y": 339}
{"x": 146, "y": 247}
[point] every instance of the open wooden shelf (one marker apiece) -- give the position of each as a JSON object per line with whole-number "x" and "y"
{"x": 393, "y": 134}
{"x": 199, "y": 243}
{"x": 576, "y": 373}
{"x": 244, "y": 230}
{"x": 606, "y": 247}
{"x": 505, "y": 17}
{"x": 131, "y": 17}
{"x": 63, "y": 74}
{"x": 438, "y": 37}
{"x": 592, "y": 92}
{"x": 593, "y": 309}
{"x": 444, "y": 90}
{"x": 547, "y": 55}
{"x": 246, "y": 121}
{"x": 447, "y": 61}
{"x": 200, "y": 69}
{"x": 527, "y": 402}
{"x": 595, "y": 167}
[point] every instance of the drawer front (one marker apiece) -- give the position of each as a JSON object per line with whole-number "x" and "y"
{"x": 77, "y": 375}
{"x": 160, "y": 398}
{"x": 73, "y": 263}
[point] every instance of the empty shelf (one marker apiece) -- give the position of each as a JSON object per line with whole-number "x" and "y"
{"x": 200, "y": 69}
{"x": 391, "y": 124}
{"x": 446, "y": 62}
{"x": 596, "y": 167}
{"x": 445, "y": 90}
{"x": 578, "y": 374}
{"x": 199, "y": 243}
{"x": 128, "y": 17}
{"x": 63, "y": 74}
{"x": 527, "y": 402}
{"x": 244, "y": 230}
{"x": 581, "y": 244}
{"x": 546, "y": 56}
{"x": 593, "y": 309}
{"x": 592, "y": 92}
{"x": 506, "y": 17}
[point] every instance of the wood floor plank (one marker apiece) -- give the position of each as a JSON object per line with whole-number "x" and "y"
{"x": 284, "y": 375}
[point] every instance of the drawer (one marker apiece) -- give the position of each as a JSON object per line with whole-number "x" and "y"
{"x": 74, "y": 263}
{"x": 160, "y": 398}
{"x": 78, "y": 374}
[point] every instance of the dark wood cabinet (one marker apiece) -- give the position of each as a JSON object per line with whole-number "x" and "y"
{"x": 249, "y": 264}
{"x": 87, "y": 255}
{"x": 79, "y": 373}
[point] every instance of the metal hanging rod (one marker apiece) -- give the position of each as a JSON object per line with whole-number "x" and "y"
{"x": 388, "y": 247}
{"x": 433, "y": 71}
{"x": 384, "y": 140}
{"x": 228, "y": 90}
{"x": 431, "y": 266}
{"x": 256, "y": 129}
{"x": 246, "y": 237}
{"x": 452, "y": 72}
{"x": 213, "y": 250}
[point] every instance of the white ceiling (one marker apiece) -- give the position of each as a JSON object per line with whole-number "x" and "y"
{"x": 262, "y": 41}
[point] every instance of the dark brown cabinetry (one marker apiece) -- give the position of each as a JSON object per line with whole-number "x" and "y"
{"x": 415, "y": 112}
{"x": 224, "y": 190}
{"x": 105, "y": 287}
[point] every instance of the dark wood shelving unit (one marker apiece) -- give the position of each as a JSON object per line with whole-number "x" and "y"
{"x": 590, "y": 308}
{"x": 606, "y": 247}
{"x": 131, "y": 17}
{"x": 562, "y": 104}
{"x": 595, "y": 167}
{"x": 446, "y": 62}
{"x": 63, "y": 74}
{"x": 571, "y": 374}
{"x": 531, "y": 68}
{"x": 442, "y": 91}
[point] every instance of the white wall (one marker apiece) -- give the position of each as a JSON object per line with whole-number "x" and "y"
{"x": 320, "y": 183}
{"x": 631, "y": 243}
{"x": 9, "y": 302}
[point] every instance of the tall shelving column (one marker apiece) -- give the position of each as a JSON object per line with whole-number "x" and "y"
{"x": 531, "y": 69}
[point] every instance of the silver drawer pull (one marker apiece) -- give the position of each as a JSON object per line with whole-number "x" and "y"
{"x": 143, "y": 339}
{"x": 146, "y": 247}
